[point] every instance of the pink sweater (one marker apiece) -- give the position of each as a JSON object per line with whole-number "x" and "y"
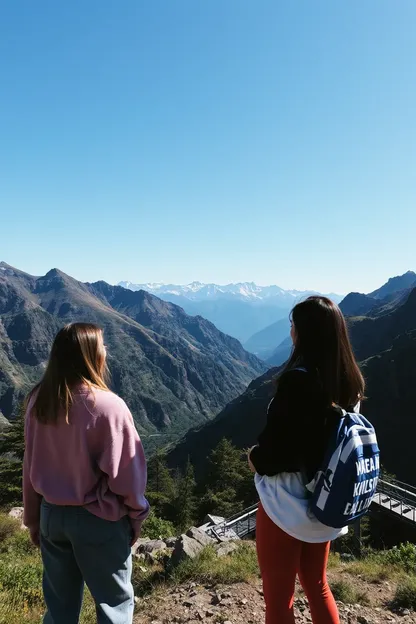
{"x": 96, "y": 461}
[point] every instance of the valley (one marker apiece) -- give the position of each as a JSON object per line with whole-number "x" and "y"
{"x": 255, "y": 315}
{"x": 175, "y": 371}
{"x": 384, "y": 340}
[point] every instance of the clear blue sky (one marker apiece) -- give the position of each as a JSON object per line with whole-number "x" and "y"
{"x": 212, "y": 140}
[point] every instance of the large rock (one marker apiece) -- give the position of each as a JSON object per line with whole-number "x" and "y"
{"x": 226, "y": 548}
{"x": 151, "y": 546}
{"x": 185, "y": 548}
{"x": 145, "y": 546}
{"x": 200, "y": 536}
{"x": 17, "y": 513}
{"x": 137, "y": 544}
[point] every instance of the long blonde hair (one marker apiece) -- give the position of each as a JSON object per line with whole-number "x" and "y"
{"x": 77, "y": 357}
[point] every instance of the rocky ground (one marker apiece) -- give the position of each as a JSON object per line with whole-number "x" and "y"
{"x": 243, "y": 603}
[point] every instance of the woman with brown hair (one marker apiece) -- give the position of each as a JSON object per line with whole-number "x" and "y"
{"x": 84, "y": 479}
{"x": 321, "y": 377}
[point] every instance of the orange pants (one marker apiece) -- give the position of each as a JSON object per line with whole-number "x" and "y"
{"x": 281, "y": 559}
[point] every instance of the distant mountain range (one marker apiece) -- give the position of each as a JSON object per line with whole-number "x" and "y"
{"x": 381, "y": 300}
{"x": 243, "y": 291}
{"x": 384, "y": 340}
{"x": 240, "y": 310}
{"x": 174, "y": 370}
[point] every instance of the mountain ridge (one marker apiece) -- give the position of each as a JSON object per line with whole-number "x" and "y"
{"x": 385, "y": 344}
{"x": 201, "y": 290}
{"x": 240, "y": 310}
{"x": 173, "y": 370}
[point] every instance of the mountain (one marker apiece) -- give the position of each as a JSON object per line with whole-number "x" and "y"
{"x": 173, "y": 370}
{"x": 385, "y": 343}
{"x": 382, "y": 301}
{"x": 243, "y": 291}
{"x": 386, "y": 298}
{"x": 395, "y": 285}
{"x": 240, "y": 310}
{"x": 357, "y": 304}
{"x": 262, "y": 343}
{"x": 281, "y": 354}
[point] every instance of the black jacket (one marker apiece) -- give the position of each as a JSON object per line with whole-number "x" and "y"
{"x": 298, "y": 429}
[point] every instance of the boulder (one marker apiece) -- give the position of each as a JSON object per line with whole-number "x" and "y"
{"x": 185, "y": 548}
{"x": 347, "y": 557}
{"x": 200, "y": 536}
{"x": 17, "y": 514}
{"x": 152, "y": 546}
{"x": 171, "y": 541}
{"x": 136, "y": 546}
{"x": 226, "y": 548}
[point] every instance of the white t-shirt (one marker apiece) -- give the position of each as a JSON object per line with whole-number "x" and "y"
{"x": 285, "y": 500}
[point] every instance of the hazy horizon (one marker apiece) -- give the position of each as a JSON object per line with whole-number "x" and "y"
{"x": 339, "y": 292}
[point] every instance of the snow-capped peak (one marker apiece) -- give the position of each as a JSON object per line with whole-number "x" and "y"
{"x": 243, "y": 291}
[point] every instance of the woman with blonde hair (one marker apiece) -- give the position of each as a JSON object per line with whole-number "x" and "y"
{"x": 84, "y": 480}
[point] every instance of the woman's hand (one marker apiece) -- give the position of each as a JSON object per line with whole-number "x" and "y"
{"x": 250, "y": 463}
{"x": 35, "y": 537}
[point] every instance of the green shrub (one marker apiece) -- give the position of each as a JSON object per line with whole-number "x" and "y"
{"x": 403, "y": 556}
{"x": 8, "y": 527}
{"x": 344, "y": 591}
{"x": 405, "y": 596}
{"x": 155, "y": 528}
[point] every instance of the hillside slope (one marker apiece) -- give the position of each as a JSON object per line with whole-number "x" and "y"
{"x": 386, "y": 346}
{"x": 173, "y": 370}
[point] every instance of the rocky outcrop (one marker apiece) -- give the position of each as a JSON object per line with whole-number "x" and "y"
{"x": 226, "y": 548}
{"x": 185, "y": 548}
{"x": 177, "y": 549}
{"x": 200, "y": 536}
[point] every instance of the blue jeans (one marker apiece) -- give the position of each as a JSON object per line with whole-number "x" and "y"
{"x": 77, "y": 546}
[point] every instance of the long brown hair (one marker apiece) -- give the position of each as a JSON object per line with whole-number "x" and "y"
{"x": 323, "y": 346}
{"x": 77, "y": 357}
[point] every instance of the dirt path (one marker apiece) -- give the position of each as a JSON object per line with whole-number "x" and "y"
{"x": 243, "y": 604}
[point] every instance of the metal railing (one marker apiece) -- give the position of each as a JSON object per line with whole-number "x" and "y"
{"x": 393, "y": 495}
{"x": 398, "y": 498}
{"x": 240, "y": 525}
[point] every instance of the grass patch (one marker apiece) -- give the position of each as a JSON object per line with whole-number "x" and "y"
{"x": 18, "y": 544}
{"x": 206, "y": 569}
{"x": 378, "y": 566}
{"x": 372, "y": 570}
{"x": 8, "y": 527}
{"x": 344, "y": 591}
{"x": 238, "y": 567}
{"x": 405, "y": 596}
{"x": 21, "y": 580}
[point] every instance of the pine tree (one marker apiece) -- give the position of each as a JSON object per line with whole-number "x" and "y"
{"x": 160, "y": 486}
{"x": 185, "y": 501}
{"x": 13, "y": 439}
{"x": 12, "y": 446}
{"x": 229, "y": 483}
